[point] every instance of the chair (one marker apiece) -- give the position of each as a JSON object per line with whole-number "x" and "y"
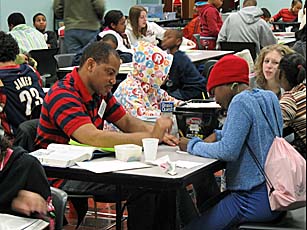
{"x": 59, "y": 200}
{"x": 25, "y": 134}
{"x": 239, "y": 46}
{"x": 197, "y": 38}
{"x": 64, "y": 60}
{"x": 206, "y": 72}
{"x": 202, "y": 42}
{"x": 83, "y": 209}
{"x": 25, "y": 138}
{"x": 246, "y": 55}
{"x": 46, "y": 64}
{"x": 294, "y": 220}
{"x": 208, "y": 67}
{"x": 281, "y": 26}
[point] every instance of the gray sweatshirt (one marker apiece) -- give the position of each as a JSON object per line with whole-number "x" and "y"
{"x": 247, "y": 26}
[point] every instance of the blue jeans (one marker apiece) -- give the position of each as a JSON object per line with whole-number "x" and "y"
{"x": 236, "y": 208}
{"x": 75, "y": 40}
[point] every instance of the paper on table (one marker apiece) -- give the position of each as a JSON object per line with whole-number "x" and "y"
{"x": 212, "y": 104}
{"x": 101, "y": 166}
{"x": 179, "y": 163}
{"x": 187, "y": 164}
{"x": 16, "y": 222}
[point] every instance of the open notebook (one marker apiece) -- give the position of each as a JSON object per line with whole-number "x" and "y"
{"x": 63, "y": 155}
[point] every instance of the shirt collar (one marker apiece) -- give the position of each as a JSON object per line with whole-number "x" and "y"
{"x": 79, "y": 85}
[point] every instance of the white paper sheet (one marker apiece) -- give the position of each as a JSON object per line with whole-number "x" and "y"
{"x": 100, "y": 166}
{"x": 179, "y": 163}
{"x": 9, "y": 222}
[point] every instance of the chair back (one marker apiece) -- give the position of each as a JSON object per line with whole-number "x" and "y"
{"x": 59, "y": 200}
{"x": 208, "y": 67}
{"x": 64, "y": 60}
{"x": 281, "y": 26}
{"x": 197, "y": 38}
{"x": 239, "y": 46}
{"x": 246, "y": 55}
{"x": 46, "y": 64}
{"x": 25, "y": 135}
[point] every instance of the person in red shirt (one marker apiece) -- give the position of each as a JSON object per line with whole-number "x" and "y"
{"x": 210, "y": 23}
{"x": 288, "y": 14}
{"x": 193, "y": 27}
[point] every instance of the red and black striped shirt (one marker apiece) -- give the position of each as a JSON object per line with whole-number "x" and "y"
{"x": 67, "y": 106}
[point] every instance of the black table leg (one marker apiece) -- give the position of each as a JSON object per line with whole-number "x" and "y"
{"x": 119, "y": 214}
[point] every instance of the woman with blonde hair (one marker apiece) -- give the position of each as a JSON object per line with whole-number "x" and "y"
{"x": 139, "y": 29}
{"x": 266, "y": 67}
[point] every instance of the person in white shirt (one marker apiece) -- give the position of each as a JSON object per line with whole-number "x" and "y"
{"x": 27, "y": 37}
{"x": 139, "y": 29}
{"x": 302, "y": 16}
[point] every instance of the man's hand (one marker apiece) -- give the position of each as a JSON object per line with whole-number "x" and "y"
{"x": 191, "y": 43}
{"x": 162, "y": 126}
{"x": 183, "y": 143}
{"x": 170, "y": 139}
{"x": 28, "y": 202}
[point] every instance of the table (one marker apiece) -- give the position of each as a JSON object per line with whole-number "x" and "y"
{"x": 148, "y": 178}
{"x": 124, "y": 68}
{"x": 200, "y": 56}
{"x": 286, "y": 38}
{"x": 164, "y": 22}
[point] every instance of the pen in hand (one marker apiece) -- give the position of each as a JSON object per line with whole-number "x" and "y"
{"x": 180, "y": 133}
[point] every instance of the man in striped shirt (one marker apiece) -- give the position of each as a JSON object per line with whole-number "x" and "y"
{"x": 27, "y": 37}
{"x": 76, "y": 107}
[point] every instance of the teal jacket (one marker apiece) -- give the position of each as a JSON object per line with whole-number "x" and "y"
{"x": 244, "y": 121}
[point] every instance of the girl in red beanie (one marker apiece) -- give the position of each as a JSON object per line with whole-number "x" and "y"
{"x": 247, "y": 197}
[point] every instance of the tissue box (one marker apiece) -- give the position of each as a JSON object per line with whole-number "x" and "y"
{"x": 197, "y": 118}
{"x": 128, "y": 152}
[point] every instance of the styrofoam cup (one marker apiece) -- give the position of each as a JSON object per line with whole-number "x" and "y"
{"x": 150, "y": 146}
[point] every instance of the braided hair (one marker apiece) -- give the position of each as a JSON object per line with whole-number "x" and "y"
{"x": 293, "y": 66}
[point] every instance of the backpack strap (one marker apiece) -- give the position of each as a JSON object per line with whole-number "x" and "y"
{"x": 261, "y": 169}
{"x": 268, "y": 120}
{"x": 268, "y": 181}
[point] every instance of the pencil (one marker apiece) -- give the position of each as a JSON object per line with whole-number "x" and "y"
{"x": 180, "y": 133}
{"x": 204, "y": 97}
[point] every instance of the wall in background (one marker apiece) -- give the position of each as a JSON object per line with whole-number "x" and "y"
{"x": 30, "y": 7}
{"x": 272, "y": 5}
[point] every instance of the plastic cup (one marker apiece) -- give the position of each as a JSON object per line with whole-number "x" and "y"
{"x": 288, "y": 29}
{"x": 150, "y": 146}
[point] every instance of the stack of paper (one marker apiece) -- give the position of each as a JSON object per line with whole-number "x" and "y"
{"x": 9, "y": 222}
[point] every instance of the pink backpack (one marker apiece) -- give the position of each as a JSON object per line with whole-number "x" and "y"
{"x": 286, "y": 169}
{"x": 285, "y": 174}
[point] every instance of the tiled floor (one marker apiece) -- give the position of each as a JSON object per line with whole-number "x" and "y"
{"x": 106, "y": 217}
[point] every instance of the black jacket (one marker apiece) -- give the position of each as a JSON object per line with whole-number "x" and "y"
{"x": 22, "y": 171}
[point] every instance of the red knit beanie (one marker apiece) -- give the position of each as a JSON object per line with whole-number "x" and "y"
{"x": 228, "y": 69}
